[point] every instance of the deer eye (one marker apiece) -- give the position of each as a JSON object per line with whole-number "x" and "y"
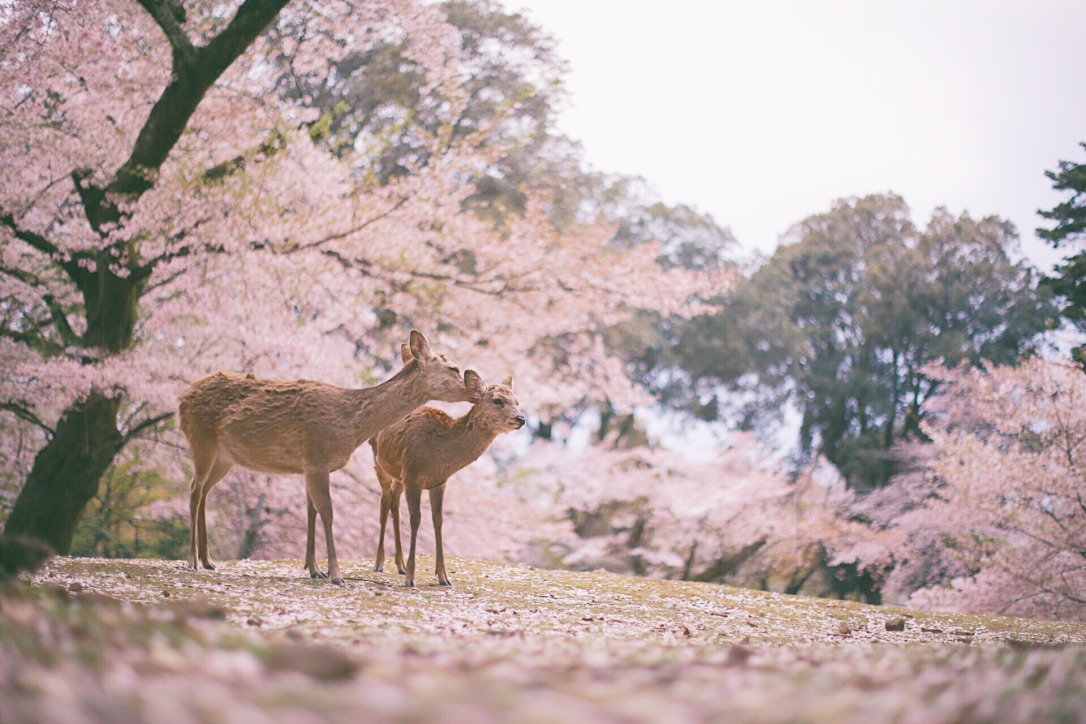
{"x": 499, "y": 401}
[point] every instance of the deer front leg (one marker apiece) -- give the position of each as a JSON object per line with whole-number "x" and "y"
{"x": 202, "y": 483}
{"x": 311, "y": 537}
{"x": 397, "y": 491}
{"x": 414, "y": 508}
{"x": 316, "y": 484}
{"x": 437, "y": 494}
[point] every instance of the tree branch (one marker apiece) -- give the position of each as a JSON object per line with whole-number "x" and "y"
{"x": 40, "y": 243}
{"x": 60, "y": 321}
{"x": 354, "y": 230}
{"x": 33, "y": 339}
{"x": 146, "y": 425}
{"x": 170, "y": 14}
{"x": 31, "y": 280}
{"x": 26, "y": 415}
{"x": 268, "y": 148}
{"x": 35, "y": 241}
{"x": 192, "y": 77}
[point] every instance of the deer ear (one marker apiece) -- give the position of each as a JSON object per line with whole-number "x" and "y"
{"x": 405, "y": 354}
{"x": 474, "y": 384}
{"x": 420, "y": 347}
{"x": 508, "y": 381}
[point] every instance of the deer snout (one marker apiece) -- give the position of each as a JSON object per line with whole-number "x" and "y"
{"x": 519, "y": 419}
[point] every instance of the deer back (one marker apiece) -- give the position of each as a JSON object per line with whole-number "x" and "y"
{"x": 267, "y": 425}
{"x": 278, "y": 426}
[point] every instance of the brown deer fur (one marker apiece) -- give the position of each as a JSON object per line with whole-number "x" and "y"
{"x": 300, "y": 427}
{"x": 424, "y": 449}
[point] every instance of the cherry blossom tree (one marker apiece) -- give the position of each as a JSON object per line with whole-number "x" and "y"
{"x": 736, "y": 517}
{"x": 90, "y": 117}
{"x": 995, "y": 514}
{"x": 166, "y": 210}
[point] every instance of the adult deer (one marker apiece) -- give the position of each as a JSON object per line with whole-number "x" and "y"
{"x": 312, "y": 428}
{"x": 422, "y": 451}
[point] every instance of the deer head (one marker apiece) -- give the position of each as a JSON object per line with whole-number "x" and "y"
{"x": 496, "y": 407}
{"x": 439, "y": 378}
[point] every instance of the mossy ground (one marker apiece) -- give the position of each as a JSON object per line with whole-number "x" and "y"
{"x": 133, "y": 640}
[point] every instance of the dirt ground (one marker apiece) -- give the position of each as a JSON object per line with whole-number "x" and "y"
{"x": 92, "y": 640}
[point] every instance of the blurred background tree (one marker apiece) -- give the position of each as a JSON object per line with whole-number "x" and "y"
{"x": 841, "y": 321}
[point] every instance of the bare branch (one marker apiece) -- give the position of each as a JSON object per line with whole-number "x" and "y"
{"x": 354, "y": 230}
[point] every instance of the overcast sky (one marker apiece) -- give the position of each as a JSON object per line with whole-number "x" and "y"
{"x": 764, "y": 112}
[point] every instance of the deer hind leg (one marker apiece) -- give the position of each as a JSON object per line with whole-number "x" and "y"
{"x": 316, "y": 486}
{"x": 201, "y": 463}
{"x": 414, "y": 507}
{"x": 209, "y": 470}
{"x": 437, "y": 495}
{"x": 218, "y": 472}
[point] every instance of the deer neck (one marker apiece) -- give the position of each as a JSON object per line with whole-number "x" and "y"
{"x": 387, "y": 403}
{"x": 472, "y": 438}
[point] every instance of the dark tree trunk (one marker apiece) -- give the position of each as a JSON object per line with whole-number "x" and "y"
{"x": 66, "y": 473}
{"x": 67, "y": 470}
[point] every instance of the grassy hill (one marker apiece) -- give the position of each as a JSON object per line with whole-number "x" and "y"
{"x": 146, "y": 641}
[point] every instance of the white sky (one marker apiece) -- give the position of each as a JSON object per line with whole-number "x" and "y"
{"x": 763, "y": 112}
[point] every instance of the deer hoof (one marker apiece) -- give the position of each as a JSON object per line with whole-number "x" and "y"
{"x": 409, "y": 583}
{"x": 209, "y": 566}
{"x": 337, "y": 581}
{"x": 378, "y": 569}
{"x": 445, "y": 582}
{"x": 317, "y": 574}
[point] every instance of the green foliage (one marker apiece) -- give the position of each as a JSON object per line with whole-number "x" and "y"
{"x": 378, "y": 100}
{"x": 1070, "y": 215}
{"x": 687, "y": 238}
{"x": 1069, "y": 280}
{"x": 116, "y": 523}
{"x": 843, "y": 320}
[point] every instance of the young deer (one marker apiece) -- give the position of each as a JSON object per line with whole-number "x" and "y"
{"x": 274, "y": 426}
{"x": 425, "y": 448}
